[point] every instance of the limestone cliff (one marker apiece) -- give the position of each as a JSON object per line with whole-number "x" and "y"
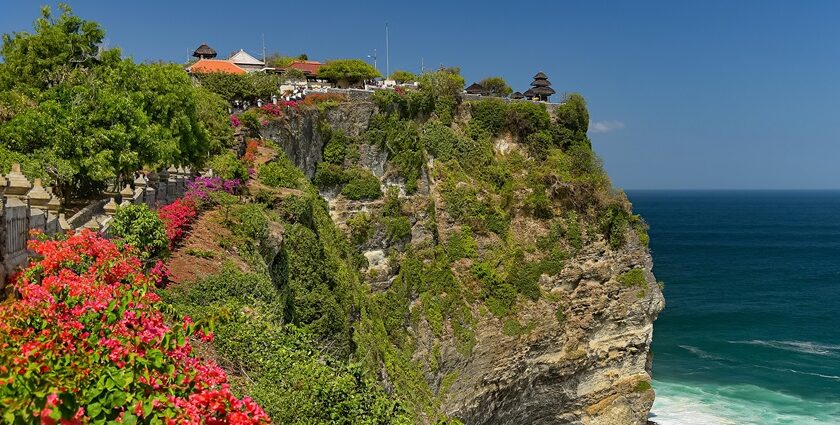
{"x": 573, "y": 348}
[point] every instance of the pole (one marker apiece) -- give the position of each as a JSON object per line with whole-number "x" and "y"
{"x": 387, "y": 54}
{"x": 263, "y": 40}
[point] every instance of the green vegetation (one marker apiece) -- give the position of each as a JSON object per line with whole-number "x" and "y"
{"x": 633, "y": 278}
{"x": 228, "y": 166}
{"x": 137, "y": 226}
{"x": 348, "y": 71}
{"x": 282, "y": 173}
{"x": 402, "y": 76}
{"x": 496, "y": 86}
{"x": 642, "y": 385}
{"x": 248, "y": 87}
{"x": 279, "y": 365}
{"x": 361, "y": 184}
{"x": 81, "y": 118}
{"x": 461, "y": 244}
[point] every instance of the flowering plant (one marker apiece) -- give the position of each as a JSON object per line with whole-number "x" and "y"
{"x": 251, "y": 151}
{"x": 272, "y": 109}
{"x": 234, "y": 121}
{"x": 87, "y": 342}
{"x": 177, "y": 218}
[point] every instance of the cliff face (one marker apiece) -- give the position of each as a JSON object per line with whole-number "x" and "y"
{"x": 578, "y": 352}
{"x": 590, "y": 368}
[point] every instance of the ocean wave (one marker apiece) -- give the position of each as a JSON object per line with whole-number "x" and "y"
{"x": 709, "y": 404}
{"x": 800, "y": 372}
{"x": 700, "y": 353}
{"x": 805, "y": 347}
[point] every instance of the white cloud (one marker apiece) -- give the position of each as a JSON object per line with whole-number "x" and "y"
{"x": 605, "y": 126}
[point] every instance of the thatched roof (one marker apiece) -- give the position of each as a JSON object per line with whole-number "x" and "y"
{"x": 517, "y": 95}
{"x": 540, "y": 76}
{"x": 543, "y": 91}
{"x": 529, "y": 93}
{"x": 476, "y": 88}
{"x": 205, "y": 52}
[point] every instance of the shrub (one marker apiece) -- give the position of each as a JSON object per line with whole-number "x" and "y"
{"x": 139, "y": 227}
{"x": 439, "y": 140}
{"x": 402, "y": 76}
{"x": 496, "y": 293}
{"x": 496, "y": 86}
{"x": 250, "y": 222}
{"x": 613, "y": 224}
{"x": 336, "y": 146}
{"x": 329, "y": 175}
{"x": 177, "y": 218}
{"x": 361, "y": 184}
{"x": 524, "y": 118}
{"x": 86, "y": 342}
{"x": 353, "y": 71}
{"x": 323, "y": 99}
{"x": 361, "y": 227}
{"x": 633, "y": 278}
{"x": 490, "y": 114}
{"x": 228, "y": 167}
{"x": 281, "y": 173}
{"x": 397, "y": 228}
{"x": 461, "y": 245}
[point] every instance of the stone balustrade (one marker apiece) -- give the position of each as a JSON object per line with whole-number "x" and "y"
{"x": 26, "y": 206}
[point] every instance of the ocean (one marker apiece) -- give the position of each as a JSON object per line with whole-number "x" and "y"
{"x": 751, "y": 329}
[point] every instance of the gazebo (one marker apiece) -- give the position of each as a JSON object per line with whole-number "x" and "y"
{"x": 516, "y": 95}
{"x": 476, "y": 88}
{"x": 204, "y": 52}
{"x": 541, "y": 87}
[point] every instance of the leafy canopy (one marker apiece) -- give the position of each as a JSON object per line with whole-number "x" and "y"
{"x": 496, "y": 86}
{"x": 353, "y": 71}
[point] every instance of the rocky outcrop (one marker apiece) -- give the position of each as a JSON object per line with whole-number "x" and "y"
{"x": 580, "y": 354}
{"x": 299, "y": 136}
{"x": 586, "y": 361}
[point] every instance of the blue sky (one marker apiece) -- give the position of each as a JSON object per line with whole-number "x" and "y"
{"x": 706, "y": 95}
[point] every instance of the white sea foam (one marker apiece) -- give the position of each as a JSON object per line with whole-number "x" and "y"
{"x": 806, "y": 347}
{"x": 700, "y": 353}
{"x": 679, "y": 404}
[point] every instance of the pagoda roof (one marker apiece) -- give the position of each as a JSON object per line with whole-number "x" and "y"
{"x": 476, "y": 88}
{"x": 517, "y": 95}
{"x": 543, "y": 91}
{"x": 204, "y": 51}
{"x": 541, "y": 83}
{"x": 540, "y": 76}
{"x": 529, "y": 93}
{"x": 243, "y": 58}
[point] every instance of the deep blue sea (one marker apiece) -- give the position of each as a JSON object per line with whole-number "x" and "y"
{"x": 751, "y": 329}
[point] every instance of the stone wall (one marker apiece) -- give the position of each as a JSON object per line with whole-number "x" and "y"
{"x": 27, "y": 205}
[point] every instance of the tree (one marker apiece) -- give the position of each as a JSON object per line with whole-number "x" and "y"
{"x": 403, "y": 76}
{"x": 85, "y": 120}
{"x": 61, "y": 45}
{"x": 573, "y": 115}
{"x": 348, "y": 72}
{"x": 496, "y": 86}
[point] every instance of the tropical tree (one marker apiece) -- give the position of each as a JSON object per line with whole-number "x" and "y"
{"x": 496, "y": 86}
{"x": 93, "y": 117}
{"x": 403, "y": 76}
{"x": 348, "y": 72}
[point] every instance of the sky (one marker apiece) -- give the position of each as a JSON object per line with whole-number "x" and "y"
{"x": 702, "y": 95}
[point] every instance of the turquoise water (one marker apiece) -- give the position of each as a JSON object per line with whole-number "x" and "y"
{"x": 751, "y": 330}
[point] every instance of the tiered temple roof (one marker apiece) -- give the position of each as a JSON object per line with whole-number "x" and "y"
{"x": 204, "y": 52}
{"x": 541, "y": 87}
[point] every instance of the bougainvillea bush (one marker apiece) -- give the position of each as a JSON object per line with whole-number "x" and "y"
{"x": 86, "y": 342}
{"x": 179, "y": 215}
